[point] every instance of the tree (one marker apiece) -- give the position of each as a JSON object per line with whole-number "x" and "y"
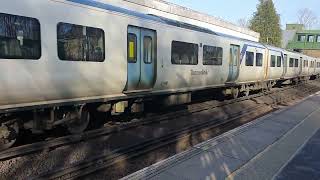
{"x": 243, "y": 23}
{"x": 266, "y": 21}
{"x": 307, "y": 18}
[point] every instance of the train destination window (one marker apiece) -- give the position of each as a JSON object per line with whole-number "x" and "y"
{"x": 278, "y": 61}
{"x": 80, "y": 43}
{"x": 249, "y": 58}
{"x": 273, "y": 61}
{"x": 259, "y": 59}
{"x": 296, "y": 63}
{"x": 291, "y": 62}
{"x": 20, "y": 37}
{"x": 184, "y": 53}
{"x": 132, "y": 48}
{"x": 212, "y": 55}
{"x": 147, "y": 49}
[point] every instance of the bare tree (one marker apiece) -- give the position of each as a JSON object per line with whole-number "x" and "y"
{"x": 243, "y": 23}
{"x": 307, "y": 17}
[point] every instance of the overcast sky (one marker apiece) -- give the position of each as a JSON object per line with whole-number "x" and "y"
{"x": 232, "y": 10}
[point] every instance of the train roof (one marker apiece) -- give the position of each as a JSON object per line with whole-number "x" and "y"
{"x": 151, "y": 17}
{"x": 155, "y": 18}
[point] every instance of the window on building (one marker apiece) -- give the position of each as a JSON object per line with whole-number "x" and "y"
{"x": 302, "y": 38}
{"x": 273, "y": 61}
{"x": 19, "y": 37}
{"x": 296, "y": 63}
{"x": 291, "y": 62}
{"x": 249, "y": 58}
{"x": 184, "y": 53}
{"x": 80, "y": 43}
{"x": 147, "y": 49}
{"x": 212, "y": 55}
{"x": 259, "y": 59}
{"x": 132, "y": 48}
{"x": 311, "y": 38}
{"x": 278, "y": 61}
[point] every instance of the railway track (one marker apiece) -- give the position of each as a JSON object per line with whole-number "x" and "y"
{"x": 108, "y": 159}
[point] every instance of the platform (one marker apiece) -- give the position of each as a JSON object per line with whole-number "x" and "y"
{"x": 282, "y": 145}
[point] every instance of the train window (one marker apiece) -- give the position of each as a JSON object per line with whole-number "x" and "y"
{"x": 291, "y": 62}
{"x": 184, "y": 53}
{"x": 278, "y": 61}
{"x": 259, "y": 59}
{"x": 249, "y": 58}
{"x": 147, "y": 49}
{"x": 296, "y": 63}
{"x": 318, "y": 38}
{"x": 132, "y": 48}
{"x": 212, "y": 55}
{"x": 80, "y": 43}
{"x": 310, "y": 38}
{"x": 19, "y": 37}
{"x": 302, "y": 38}
{"x": 273, "y": 61}
{"x": 305, "y": 63}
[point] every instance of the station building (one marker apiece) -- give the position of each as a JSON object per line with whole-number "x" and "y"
{"x": 186, "y": 15}
{"x": 297, "y": 38}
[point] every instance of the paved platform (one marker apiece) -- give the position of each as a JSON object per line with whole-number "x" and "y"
{"x": 282, "y": 145}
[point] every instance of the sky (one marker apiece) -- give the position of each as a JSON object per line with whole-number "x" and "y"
{"x": 233, "y": 10}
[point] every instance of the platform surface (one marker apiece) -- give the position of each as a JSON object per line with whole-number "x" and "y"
{"x": 282, "y": 145}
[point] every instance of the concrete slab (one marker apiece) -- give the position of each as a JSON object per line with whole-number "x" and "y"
{"x": 306, "y": 164}
{"x": 266, "y": 164}
{"x": 207, "y": 165}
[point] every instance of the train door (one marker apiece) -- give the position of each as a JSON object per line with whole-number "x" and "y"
{"x": 285, "y": 65}
{"x": 141, "y": 58}
{"x": 300, "y": 65}
{"x": 234, "y": 63}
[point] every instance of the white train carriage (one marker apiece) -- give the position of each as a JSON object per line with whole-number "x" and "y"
{"x": 275, "y": 64}
{"x": 62, "y": 60}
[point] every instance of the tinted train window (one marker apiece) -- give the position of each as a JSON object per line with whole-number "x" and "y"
{"x": 184, "y": 53}
{"x": 259, "y": 59}
{"x": 291, "y": 62}
{"x": 132, "y": 48}
{"x": 19, "y": 37}
{"x": 278, "y": 61}
{"x": 147, "y": 49}
{"x": 80, "y": 43}
{"x": 273, "y": 61}
{"x": 212, "y": 55}
{"x": 249, "y": 58}
{"x": 296, "y": 63}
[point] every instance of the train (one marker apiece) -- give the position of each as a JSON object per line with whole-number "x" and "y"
{"x": 61, "y": 61}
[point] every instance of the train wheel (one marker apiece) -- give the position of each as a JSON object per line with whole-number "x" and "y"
{"x": 235, "y": 93}
{"x": 80, "y": 124}
{"x": 8, "y": 135}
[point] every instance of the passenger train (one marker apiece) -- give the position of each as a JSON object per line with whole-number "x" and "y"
{"x": 63, "y": 60}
